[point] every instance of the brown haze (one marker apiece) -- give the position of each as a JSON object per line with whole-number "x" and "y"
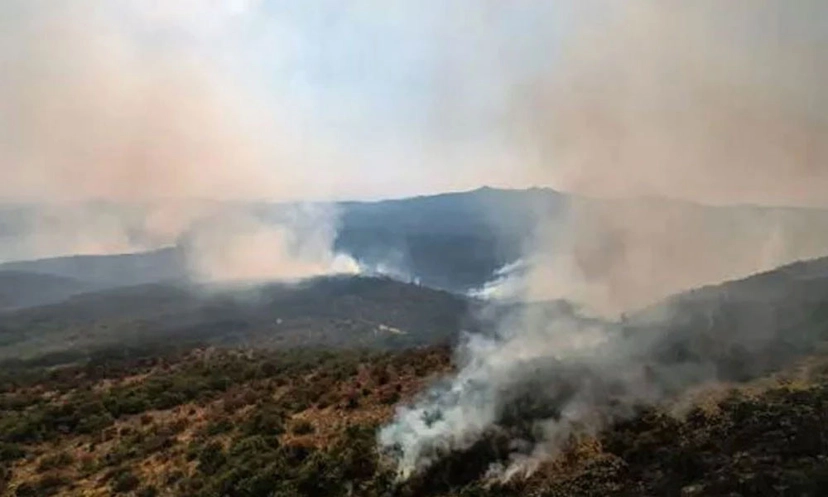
{"x": 97, "y": 114}
{"x": 710, "y": 102}
{"x": 91, "y": 111}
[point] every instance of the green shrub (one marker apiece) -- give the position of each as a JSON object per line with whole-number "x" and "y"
{"x": 11, "y": 452}
{"x": 47, "y": 485}
{"x": 55, "y": 461}
{"x": 148, "y": 491}
{"x": 248, "y": 447}
{"x": 217, "y": 427}
{"x": 265, "y": 421}
{"x": 211, "y": 458}
{"x": 303, "y": 428}
{"x": 124, "y": 482}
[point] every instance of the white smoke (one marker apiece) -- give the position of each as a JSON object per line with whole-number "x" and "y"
{"x": 493, "y": 370}
{"x": 654, "y": 100}
{"x": 237, "y": 247}
{"x": 507, "y": 283}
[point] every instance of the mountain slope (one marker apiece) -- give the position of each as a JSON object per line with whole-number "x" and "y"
{"x": 303, "y": 422}
{"x": 108, "y": 271}
{"x": 20, "y": 289}
{"x": 453, "y": 241}
{"x": 341, "y": 311}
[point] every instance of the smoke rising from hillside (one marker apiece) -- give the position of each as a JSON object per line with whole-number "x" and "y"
{"x": 118, "y": 119}
{"x": 708, "y": 102}
{"x": 234, "y": 246}
{"x": 712, "y": 102}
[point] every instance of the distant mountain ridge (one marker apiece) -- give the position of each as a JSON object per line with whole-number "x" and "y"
{"x": 108, "y": 271}
{"x": 453, "y": 241}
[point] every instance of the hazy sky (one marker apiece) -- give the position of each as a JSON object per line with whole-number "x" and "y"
{"x": 374, "y": 77}
{"x": 354, "y": 98}
{"x": 408, "y": 90}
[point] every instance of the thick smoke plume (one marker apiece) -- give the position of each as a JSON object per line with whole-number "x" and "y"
{"x": 122, "y": 121}
{"x": 706, "y": 102}
{"x": 234, "y": 246}
{"x": 703, "y": 102}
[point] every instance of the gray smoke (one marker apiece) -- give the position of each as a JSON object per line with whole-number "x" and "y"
{"x": 702, "y": 102}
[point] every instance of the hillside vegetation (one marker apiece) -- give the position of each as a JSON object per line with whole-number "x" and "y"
{"x": 214, "y": 423}
{"x": 324, "y": 312}
{"x": 156, "y": 390}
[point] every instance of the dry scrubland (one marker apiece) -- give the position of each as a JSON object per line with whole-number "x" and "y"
{"x": 231, "y": 422}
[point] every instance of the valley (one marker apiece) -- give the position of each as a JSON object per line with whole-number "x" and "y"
{"x": 280, "y": 390}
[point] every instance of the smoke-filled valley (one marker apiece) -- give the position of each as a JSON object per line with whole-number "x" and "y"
{"x": 537, "y": 396}
{"x": 284, "y": 388}
{"x": 245, "y": 248}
